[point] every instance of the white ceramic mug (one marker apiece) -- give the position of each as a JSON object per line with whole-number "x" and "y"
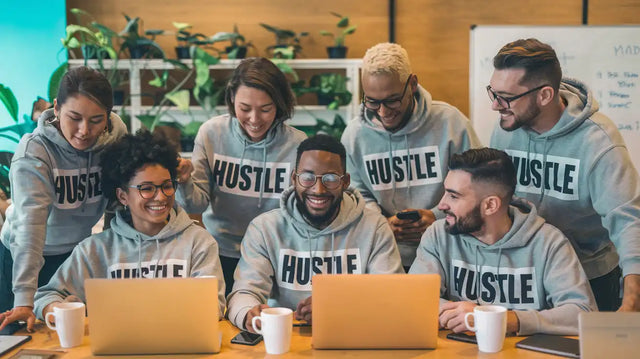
{"x": 69, "y": 323}
{"x": 277, "y": 324}
{"x": 490, "y": 326}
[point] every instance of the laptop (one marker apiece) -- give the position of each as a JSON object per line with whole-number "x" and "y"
{"x": 153, "y": 316}
{"x": 609, "y": 334}
{"x": 375, "y": 311}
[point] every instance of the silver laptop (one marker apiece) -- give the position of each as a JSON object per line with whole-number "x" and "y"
{"x": 153, "y": 316}
{"x": 609, "y": 335}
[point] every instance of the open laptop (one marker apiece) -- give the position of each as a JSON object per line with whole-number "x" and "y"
{"x": 366, "y": 311}
{"x": 609, "y": 334}
{"x": 153, "y": 316}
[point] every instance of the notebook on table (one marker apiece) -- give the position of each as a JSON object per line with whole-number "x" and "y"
{"x": 153, "y": 316}
{"x": 375, "y": 311}
{"x": 609, "y": 334}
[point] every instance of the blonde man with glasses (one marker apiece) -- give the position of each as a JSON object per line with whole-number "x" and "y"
{"x": 399, "y": 146}
{"x": 322, "y": 226}
{"x": 572, "y": 163}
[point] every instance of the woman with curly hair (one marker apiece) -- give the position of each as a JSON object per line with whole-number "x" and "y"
{"x": 149, "y": 237}
{"x": 55, "y": 188}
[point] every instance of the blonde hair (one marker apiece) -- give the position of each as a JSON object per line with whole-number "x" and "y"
{"x": 387, "y": 58}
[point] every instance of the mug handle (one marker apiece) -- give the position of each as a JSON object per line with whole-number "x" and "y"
{"x": 466, "y": 322}
{"x": 46, "y": 320}
{"x": 253, "y": 324}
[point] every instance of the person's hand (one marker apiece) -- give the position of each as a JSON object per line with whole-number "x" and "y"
{"x": 185, "y": 167}
{"x": 254, "y": 312}
{"x": 303, "y": 311}
{"x": 411, "y": 231}
{"x": 452, "y": 314}
{"x": 18, "y": 313}
{"x": 631, "y": 299}
{"x": 48, "y": 309}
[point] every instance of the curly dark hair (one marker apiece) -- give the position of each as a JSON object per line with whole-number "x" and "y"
{"x": 123, "y": 159}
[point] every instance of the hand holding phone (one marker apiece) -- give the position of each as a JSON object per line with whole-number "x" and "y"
{"x": 408, "y": 215}
{"x": 462, "y": 337}
{"x": 246, "y": 338}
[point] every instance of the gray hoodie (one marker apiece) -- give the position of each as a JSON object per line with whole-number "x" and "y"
{"x": 532, "y": 270}
{"x": 406, "y": 169}
{"x": 591, "y": 190}
{"x": 181, "y": 249}
{"x": 281, "y": 252}
{"x": 235, "y": 179}
{"x": 57, "y": 198}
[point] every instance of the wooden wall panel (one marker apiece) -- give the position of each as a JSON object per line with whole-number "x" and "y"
{"x": 434, "y": 32}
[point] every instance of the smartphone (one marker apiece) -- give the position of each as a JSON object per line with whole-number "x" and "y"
{"x": 462, "y": 337}
{"x": 246, "y": 338}
{"x": 410, "y": 215}
{"x": 12, "y": 328}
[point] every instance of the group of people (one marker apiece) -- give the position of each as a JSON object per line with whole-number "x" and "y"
{"x": 546, "y": 222}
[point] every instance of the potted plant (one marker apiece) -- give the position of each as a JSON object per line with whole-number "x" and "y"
{"x": 186, "y": 39}
{"x": 287, "y": 39}
{"x": 339, "y": 51}
{"x": 140, "y": 46}
{"x": 94, "y": 39}
{"x": 238, "y": 46}
{"x": 331, "y": 89}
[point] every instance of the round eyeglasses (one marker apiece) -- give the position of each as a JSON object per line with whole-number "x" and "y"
{"x": 391, "y": 103}
{"x": 149, "y": 190}
{"x": 505, "y": 102}
{"x": 329, "y": 180}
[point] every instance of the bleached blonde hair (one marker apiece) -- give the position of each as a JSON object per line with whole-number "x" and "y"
{"x": 387, "y": 58}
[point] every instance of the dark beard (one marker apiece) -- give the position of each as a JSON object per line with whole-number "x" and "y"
{"x": 471, "y": 223}
{"x": 525, "y": 119}
{"x": 318, "y": 221}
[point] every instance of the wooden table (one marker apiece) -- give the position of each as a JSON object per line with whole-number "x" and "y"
{"x": 44, "y": 338}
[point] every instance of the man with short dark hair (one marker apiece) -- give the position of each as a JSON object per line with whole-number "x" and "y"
{"x": 322, "y": 226}
{"x": 487, "y": 251}
{"x": 399, "y": 145}
{"x": 572, "y": 163}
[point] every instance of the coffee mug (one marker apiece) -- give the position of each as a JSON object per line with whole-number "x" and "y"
{"x": 69, "y": 323}
{"x": 490, "y": 325}
{"x": 277, "y": 324}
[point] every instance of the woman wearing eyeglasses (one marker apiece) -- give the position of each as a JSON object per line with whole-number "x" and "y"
{"x": 56, "y": 188}
{"x": 242, "y": 161}
{"x": 149, "y": 237}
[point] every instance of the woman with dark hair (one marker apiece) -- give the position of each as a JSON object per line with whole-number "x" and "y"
{"x": 242, "y": 161}
{"x": 150, "y": 237}
{"x": 55, "y": 188}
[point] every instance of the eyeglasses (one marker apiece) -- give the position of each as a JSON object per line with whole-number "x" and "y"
{"x": 391, "y": 104}
{"x": 329, "y": 180}
{"x": 506, "y": 101}
{"x": 149, "y": 190}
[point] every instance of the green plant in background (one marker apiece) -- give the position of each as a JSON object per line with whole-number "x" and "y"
{"x": 334, "y": 129}
{"x": 238, "y": 45}
{"x": 95, "y": 39}
{"x": 285, "y": 39}
{"x": 140, "y": 46}
{"x": 331, "y": 89}
{"x": 185, "y": 38}
{"x": 343, "y": 30}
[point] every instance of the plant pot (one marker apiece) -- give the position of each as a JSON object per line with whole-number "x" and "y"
{"x": 118, "y": 97}
{"x": 182, "y": 52}
{"x": 91, "y": 52}
{"x": 324, "y": 100}
{"x": 337, "y": 52}
{"x": 241, "y": 51}
{"x": 142, "y": 51}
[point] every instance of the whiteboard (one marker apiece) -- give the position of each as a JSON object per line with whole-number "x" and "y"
{"x": 605, "y": 58}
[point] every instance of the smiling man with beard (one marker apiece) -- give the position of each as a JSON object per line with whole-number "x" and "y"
{"x": 322, "y": 226}
{"x": 492, "y": 250}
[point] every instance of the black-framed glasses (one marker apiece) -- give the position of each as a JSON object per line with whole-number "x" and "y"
{"x": 391, "y": 104}
{"x": 149, "y": 190}
{"x": 506, "y": 101}
{"x": 329, "y": 180}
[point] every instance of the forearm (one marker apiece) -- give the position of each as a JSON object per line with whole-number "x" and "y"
{"x": 561, "y": 320}
{"x": 631, "y": 298}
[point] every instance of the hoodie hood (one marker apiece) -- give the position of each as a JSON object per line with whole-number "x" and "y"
{"x": 47, "y": 129}
{"x": 580, "y": 106}
{"x": 350, "y": 210}
{"x": 526, "y": 223}
{"x": 178, "y": 223}
{"x": 421, "y": 108}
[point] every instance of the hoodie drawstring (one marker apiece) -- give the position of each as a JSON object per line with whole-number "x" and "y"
{"x": 139, "y": 256}
{"x": 393, "y": 178}
{"x": 544, "y": 170}
{"x": 408, "y": 166}
{"x": 264, "y": 174}
{"x": 496, "y": 276}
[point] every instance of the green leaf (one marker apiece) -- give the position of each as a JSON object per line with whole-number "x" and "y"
{"x": 233, "y": 53}
{"x": 326, "y": 33}
{"x": 344, "y": 22}
{"x": 148, "y": 121}
{"x": 178, "y": 64}
{"x": 191, "y": 129}
{"x": 160, "y": 81}
{"x": 54, "y": 80}
{"x": 179, "y": 98}
{"x": 350, "y": 30}
{"x": 181, "y": 25}
{"x": 10, "y": 102}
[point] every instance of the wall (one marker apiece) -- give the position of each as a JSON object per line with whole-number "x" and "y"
{"x": 434, "y": 32}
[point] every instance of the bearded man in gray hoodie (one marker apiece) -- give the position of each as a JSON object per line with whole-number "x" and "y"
{"x": 492, "y": 250}
{"x": 322, "y": 226}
